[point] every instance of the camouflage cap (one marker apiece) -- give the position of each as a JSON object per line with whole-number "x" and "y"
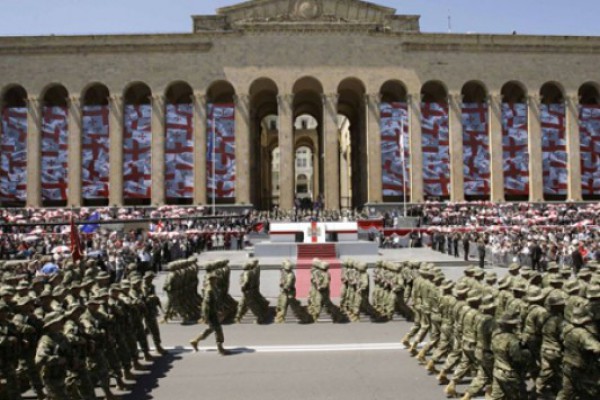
{"x": 102, "y": 275}
{"x": 361, "y": 266}
{"x": 555, "y": 299}
{"x": 23, "y": 285}
{"x": 581, "y": 316}
{"x": 475, "y": 299}
{"x": 149, "y": 275}
{"x": 552, "y": 267}
{"x": 593, "y": 292}
{"x": 3, "y": 306}
{"x": 46, "y": 294}
{"x": 556, "y": 279}
{"x": 25, "y": 300}
{"x": 491, "y": 276}
{"x": 53, "y": 318}
{"x": 447, "y": 285}
{"x": 572, "y": 287}
{"x": 585, "y": 274}
{"x": 519, "y": 287}
{"x": 58, "y": 291}
{"x": 478, "y": 273}
{"x": 287, "y": 265}
{"x": 461, "y": 289}
{"x": 504, "y": 283}
{"x": 248, "y": 266}
{"x": 7, "y": 291}
{"x": 509, "y": 319}
{"x": 526, "y": 272}
{"x": 514, "y": 267}
{"x": 566, "y": 271}
{"x": 535, "y": 294}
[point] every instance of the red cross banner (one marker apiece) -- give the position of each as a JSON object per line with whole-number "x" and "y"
{"x": 436, "y": 155}
{"x": 13, "y": 155}
{"x": 137, "y": 153}
{"x": 179, "y": 151}
{"x": 94, "y": 152}
{"x": 589, "y": 123}
{"x": 220, "y": 148}
{"x": 515, "y": 149}
{"x": 476, "y": 149}
{"x": 394, "y": 140}
{"x": 554, "y": 149}
{"x": 55, "y": 136}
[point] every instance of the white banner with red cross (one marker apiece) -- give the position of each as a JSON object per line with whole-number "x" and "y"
{"x": 554, "y": 149}
{"x": 220, "y": 144}
{"x": 515, "y": 149}
{"x": 137, "y": 152}
{"x": 13, "y": 155}
{"x": 55, "y": 141}
{"x": 476, "y": 149}
{"x": 179, "y": 151}
{"x": 394, "y": 142}
{"x": 94, "y": 152}
{"x": 589, "y": 126}
{"x": 436, "y": 155}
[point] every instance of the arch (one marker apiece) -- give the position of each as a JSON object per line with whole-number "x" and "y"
{"x": 514, "y": 92}
{"x": 589, "y": 93}
{"x": 95, "y": 94}
{"x": 179, "y": 92}
{"x": 434, "y": 92}
{"x": 393, "y": 91}
{"x": 552, "y": 93}
{"x": 263, "y": 85}
{"x": 307, "y": 83}
{"x": 353, "y": 85}
{"x": 474, "y": 92}
{"x": 14, "y": 96}
{"x": 220, "y": 92}
{"x": 55, "y": 95}
{"x": 137, "y": 93}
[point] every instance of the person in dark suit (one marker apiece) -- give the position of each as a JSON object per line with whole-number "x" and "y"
{"x": 536, "y": 256}
{"x": 577, "y": 260}
{"x": 466, "y": 244}
{"x": 481, "y": 252}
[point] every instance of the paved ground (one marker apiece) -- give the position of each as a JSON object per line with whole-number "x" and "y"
{"x": 290, "y": 361}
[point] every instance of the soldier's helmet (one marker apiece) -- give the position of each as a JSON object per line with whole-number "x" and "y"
{"x": 555, "y": 299}
{"x": 581, "y": 316}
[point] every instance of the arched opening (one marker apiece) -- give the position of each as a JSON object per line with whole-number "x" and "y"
{"x": 137, "y": 145}
{"x": 95, "y": 147}
{"x": 304, "y": 173}
{"x": 589, "y": 134}
{"x": 54, "y": 146}
{"x": 220, "y": 143}
{"x": 179, "y": 144}
{"x": 13, "y": 148}
{"x": 264, "y": 133}
{"x": 394, "y": 131}
{"x": 475, "y": 137}
{"x": 436, "y": 141}
{"x": 554, "y": 142}
{"x": 353, "y": 144}
{"x": 515, "y": 142}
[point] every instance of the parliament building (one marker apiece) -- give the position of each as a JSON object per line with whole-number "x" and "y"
{"x": 271, "y": 101}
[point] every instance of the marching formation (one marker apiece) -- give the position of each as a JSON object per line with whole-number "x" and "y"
{"x": 525, "y": 336}
{"x": 69, "y": 333}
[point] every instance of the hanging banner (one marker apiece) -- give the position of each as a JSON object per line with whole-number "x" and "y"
{"x": 13, "y": 155}
{"x": 476, "y": 149}
{"x": 515, "y": 149}
{"x": 436, "y": 155}
{"x": 554, "y": 149}
{"x": 94, "y": 152}
{"x": 137, "y": 153}
{"x": 55, "y": 139}
{"x": 393, "y": 127}
{"x": 179, "y": 151}
{"x": 589, "y": 125}
{"x": 220, "y": 143}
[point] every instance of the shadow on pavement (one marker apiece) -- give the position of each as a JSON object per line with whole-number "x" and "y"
{"x": 148, "y": 381}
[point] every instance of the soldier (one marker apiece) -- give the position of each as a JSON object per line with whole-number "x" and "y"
{"x": 536, "y": 317}
{"x": 248, "y": 301}
{"x": 152, "y": 303}
{"x": 210, "y": 312}
{"x": 415, "y": 296}
{"x": 50, "y": 357}
{"x": 549, "y": 382}
{"x": 287, "y": 296}
{"x": 361, "y": 298}
{"x": 443, "y": 346}
{"x": 9, "y": 355}
{"x": 321, "y": 280}
{"x": 510, "y": 361}
{"x": 582, "y": 351}
{"x": 78, "y": 382}
{"x": 434, "y": 296}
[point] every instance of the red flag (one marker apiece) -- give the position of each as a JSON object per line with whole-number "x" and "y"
{"x": 75, "y": 242}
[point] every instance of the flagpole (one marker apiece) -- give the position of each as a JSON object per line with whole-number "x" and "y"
{"x": 214, "y": 182}
{"x": 402, "y": 157}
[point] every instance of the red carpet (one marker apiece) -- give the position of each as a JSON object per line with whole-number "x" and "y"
{"x": 306, "y": 254}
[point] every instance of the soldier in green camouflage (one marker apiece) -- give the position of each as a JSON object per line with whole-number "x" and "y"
{"x": 51, "y": 357}
{"x": 549, "y": 381}
{"x": 9, "y": 355}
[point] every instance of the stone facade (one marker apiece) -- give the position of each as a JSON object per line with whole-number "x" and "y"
{"x": 287, "y": 57}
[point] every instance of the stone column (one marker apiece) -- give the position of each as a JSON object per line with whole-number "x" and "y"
{"x": 158, "y": 150}
{"x": 331, "y": 164}
{"x": 242, "y": 149}
{"x": 495, "y": 143}
{"x": 115, "y": 134}
{"x": 373, "y": 115}
{"x": 457, "y": 179}
{"x": 536, "y": 177}
{"x": 34, "y": 152}
{"x": 573, "y": 148}
{"x": 416, "y": 148}
{"x": 200, "y": 123}
{"x": 74, "y": 126}
{"x": 287, "y": 165}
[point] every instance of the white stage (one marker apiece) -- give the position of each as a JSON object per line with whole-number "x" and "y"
{"x": 313, "y": 232}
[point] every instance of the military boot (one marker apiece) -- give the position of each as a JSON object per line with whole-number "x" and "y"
{"x": 413, "y": 349}
{"x": 430, "y": 367}
{"x": 222, "y": 351}
{"x": 442, "y": 378}
{"x": 120, "y": 384}
{"x": 422, "y": 357}
{"x": 160, "y": 349}
{"x": 405, "y": 340}
{"x": 450, "y": 390}
{"x": 128, "y": 375}
{"x": 467, "y": 396}
{"x": 148, "y": 356}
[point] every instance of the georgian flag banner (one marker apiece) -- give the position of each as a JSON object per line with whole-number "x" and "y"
{"x": 394, "y": 141}
{"x": 179, "y": 151}
{"x": 515, "y": 149}
{"x": 94, "y": 152}
{"x": 589, "y": 125}
{"x": 13, "y": 155}
{"x": 476, "y": 149}
{"x": 220, "y": 144}
{"x": 137, "y": 154}
{"x": 54, "y": 159}
{"x": 554, "y": 149}
{"x": 436, "y": 155}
